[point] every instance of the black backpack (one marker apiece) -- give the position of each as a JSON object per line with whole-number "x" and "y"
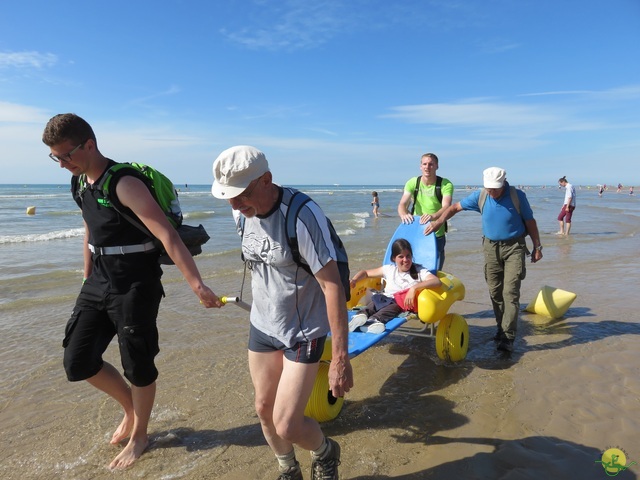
{"x": 298, "y": 200}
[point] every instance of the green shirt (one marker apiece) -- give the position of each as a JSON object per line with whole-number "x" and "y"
{"x": 426, "y": 201}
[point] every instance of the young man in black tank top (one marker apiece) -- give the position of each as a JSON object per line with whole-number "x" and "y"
{"x": 121, "y": 293}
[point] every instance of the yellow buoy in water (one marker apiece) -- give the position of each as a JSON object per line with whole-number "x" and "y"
{"x": 31, "y": 210}
{"x": 551, "y": 302}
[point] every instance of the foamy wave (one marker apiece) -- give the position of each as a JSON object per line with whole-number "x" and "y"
{"x": 42, "y": 237}
{"x": 36, "y": 196}
{"x": 362, "y": 215}
{"x": 63, "y": 213}
{"x": 193, "y": 215}
{"x": 361, "y": 223}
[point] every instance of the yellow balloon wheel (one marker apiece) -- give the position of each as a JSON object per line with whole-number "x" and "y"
{"x": 322, "y": 405}
{"x": 452, "y": 338}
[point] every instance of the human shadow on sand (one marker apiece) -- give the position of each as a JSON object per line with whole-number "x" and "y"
{"x": 408, "y": 402}
{"x": 406, "y": 399}
{"x": 573, "y": 330}
{"x": 195, "y": 440}
{"x": 526, "y": 458}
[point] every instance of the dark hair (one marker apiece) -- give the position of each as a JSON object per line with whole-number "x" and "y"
{"x": 397, "y": 248}
{"x": 67, "y": 126}
{"x": 374, "y": 193}
{"x": 563, "y": 179}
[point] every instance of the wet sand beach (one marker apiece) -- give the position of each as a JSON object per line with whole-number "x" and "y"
{"x": 569, "y": 391}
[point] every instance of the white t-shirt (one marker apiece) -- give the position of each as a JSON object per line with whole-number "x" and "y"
{"x": 570, "y": 193}
{"x": 396, "y": 281}
{"x": 288, "y": 303}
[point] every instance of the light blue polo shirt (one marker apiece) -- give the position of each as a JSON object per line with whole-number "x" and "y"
{"x": 500, "y": 219}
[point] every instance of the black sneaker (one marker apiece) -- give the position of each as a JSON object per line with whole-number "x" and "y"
{"x": 506, "y": 345}
{"x": 327, "y": 468}
{"x": 291, "y": 473}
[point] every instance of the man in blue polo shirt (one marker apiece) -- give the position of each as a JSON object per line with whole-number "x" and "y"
{"x": 506, "y": 219}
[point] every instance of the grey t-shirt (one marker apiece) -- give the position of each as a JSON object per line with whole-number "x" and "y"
{"x": 288, "y": 303}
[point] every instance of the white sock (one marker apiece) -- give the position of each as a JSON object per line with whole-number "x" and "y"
{"x": 287, "y": 460}
{"x": 322, "y": 451}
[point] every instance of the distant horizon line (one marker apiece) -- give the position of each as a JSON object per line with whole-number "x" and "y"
{"x": 358, "y": 185}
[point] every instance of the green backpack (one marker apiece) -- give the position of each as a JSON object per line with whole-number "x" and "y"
{"x": 163, "y": 192}
{"x": 160, "y": 186}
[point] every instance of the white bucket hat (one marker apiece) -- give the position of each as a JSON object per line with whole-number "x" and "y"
{"x": 235, "y": 169}
{"x": 494, "y": 177}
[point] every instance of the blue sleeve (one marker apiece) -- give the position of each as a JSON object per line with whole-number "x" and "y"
{"x": 470, "y": 202}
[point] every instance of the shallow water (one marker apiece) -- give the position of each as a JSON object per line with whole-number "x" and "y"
{"x": 204, "y": 408}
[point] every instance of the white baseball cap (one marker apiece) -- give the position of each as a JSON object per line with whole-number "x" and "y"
{"x": 494, "y": 177}
{"x": 235, "y": 169}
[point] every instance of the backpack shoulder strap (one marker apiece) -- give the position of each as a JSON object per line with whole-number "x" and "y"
{"x": 482, "y": 198}
{"x": 298, "y": 200}
{"x": 107, "y": 186}
{"x": 109, "y": 180}
{"x": 513, "y": 191}
{"x": 78, "y": 187}
{"x": 515, "y": 199}
{"x": 439, "y": 188}
{"x": 416, "y": 189}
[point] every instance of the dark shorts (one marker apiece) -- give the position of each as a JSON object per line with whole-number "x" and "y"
{"x": 98, "y": 316}
{"x": 566, "y": 214}
{"x": 301, "y": 352}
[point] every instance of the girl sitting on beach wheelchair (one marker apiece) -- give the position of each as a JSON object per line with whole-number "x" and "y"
{"x": 402, "y": 280}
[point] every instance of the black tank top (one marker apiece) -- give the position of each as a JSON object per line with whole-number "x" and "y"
{"x": 108, "y": 228}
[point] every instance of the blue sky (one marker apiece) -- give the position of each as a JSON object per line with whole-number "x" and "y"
{"x": 348, "y": 92}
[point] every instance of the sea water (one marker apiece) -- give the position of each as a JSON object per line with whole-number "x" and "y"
{"x": 55, "y": 429}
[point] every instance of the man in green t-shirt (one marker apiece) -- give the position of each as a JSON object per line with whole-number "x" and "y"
{"x": 429, "y": 194}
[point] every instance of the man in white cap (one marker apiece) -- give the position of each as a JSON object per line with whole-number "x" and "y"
{"x": 292, "y": 311}
{"x": 506, "y": 219}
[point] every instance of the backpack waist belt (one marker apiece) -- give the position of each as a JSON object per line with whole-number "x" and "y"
{"x": 123, "y": 250}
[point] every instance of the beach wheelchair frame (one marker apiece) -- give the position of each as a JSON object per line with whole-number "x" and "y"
{"x": 450, "y": 330}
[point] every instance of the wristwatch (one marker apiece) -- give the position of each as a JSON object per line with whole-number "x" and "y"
{"x": 539, "y": 247}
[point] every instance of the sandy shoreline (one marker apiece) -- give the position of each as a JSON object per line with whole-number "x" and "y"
{"x": 570, "y": 391}
{"x": 542, "y": 414}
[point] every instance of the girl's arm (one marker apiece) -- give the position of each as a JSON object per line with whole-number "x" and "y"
{"x": 431, "y": 281}
{"x": 371, "y": 273}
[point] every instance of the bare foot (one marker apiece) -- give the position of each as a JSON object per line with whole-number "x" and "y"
{"x": 123, "y": 430}
{"x": 134, "y": 449}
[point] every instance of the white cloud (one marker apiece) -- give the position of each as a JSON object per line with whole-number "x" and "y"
{"x": 473, "y": 114}
{"x": 292, "y": 25}
{"x": 495, "y": 46}
{"x": 627, "y": 92}
{"x": 172, "y": 90}
{"x": 14, "y": 113}
{"x": 27, "y": 60}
